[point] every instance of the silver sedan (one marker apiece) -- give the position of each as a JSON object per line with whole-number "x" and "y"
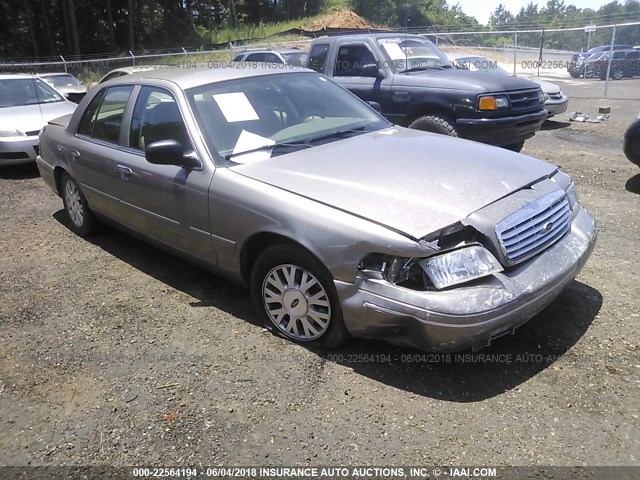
{"x": 339, "y": 222}
{"x": 27, "y": 103}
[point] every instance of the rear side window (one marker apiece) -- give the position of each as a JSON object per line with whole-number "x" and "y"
{"x": 88, "y": 119}
{"x": 106, "y": 122}
{"x": 318, "y": 56}
{"x": 264, "y": 57}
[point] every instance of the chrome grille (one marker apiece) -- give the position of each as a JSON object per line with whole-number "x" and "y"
{"x": 534, "y": 227}
{"x": 524, "y": 100}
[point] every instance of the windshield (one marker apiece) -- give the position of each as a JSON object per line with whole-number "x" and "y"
{"x": 479, "y": 64}
{"x": 298, "y": 59}
{"x": 277, "y": 114}
{"x": 16, "y": 92}
{"x": 413, "y": 53}
{"x": 61, "y": 80}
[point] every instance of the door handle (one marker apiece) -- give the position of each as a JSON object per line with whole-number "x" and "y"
{"x": 74, "y": 154}
{"x": 124, "y": 170}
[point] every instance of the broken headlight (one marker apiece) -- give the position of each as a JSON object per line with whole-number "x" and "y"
{"x": 572, "y": 197}
{"x": 459, "y": 266}
{"x": 386, "y": 267}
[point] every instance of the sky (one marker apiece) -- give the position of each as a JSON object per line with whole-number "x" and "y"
{"x": 482, "y": 9}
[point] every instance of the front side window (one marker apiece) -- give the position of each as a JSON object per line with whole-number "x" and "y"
{"x": 106, "y": 122}
{"x": 277, "y": 113}
{"x": 15, "y": 92}
{"x": 351, "y": 60}
{"x": 156, "y": 117}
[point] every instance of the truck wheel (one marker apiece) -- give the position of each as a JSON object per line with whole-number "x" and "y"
{"x": 434, "y": 124}
{"x": 514, "y": 147}
{"x": 295, "y": 297}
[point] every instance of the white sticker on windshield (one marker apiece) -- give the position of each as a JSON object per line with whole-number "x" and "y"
{"x": 394, "y": 51}
{"x": 235, "y": 107}
{"x": 249, "y": 141}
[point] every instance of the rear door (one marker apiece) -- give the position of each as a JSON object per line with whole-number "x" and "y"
{"x": 93, "y": 152}
{"x": 165, "y": 202}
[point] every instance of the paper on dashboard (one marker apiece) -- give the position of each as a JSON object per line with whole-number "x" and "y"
{"x": 249, "y": 141}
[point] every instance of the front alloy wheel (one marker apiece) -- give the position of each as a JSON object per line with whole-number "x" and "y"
{"x": 294, "y": 293}
{"x": 296, "y": 302}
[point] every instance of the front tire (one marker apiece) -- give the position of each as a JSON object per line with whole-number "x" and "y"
{"x": 434, "y": 124}
{"x": 295, "y": 296}
{"x": 82, "y": 221}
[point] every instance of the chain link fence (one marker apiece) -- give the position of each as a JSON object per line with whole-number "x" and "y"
{"x": 560, "y": 55}
{"x": 602, "y": 59}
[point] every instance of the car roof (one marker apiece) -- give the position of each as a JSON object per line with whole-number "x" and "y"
{"x": 277, "y": 50}
{"x": 55, "y": 74}
{"x": 202, "y": 75}
{"x": 364, "y": 36}
{"x": 16, "y": 76}
{"x": 133, "y": 69}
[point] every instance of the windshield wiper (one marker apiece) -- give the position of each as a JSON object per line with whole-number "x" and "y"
{"x": 418, "y": 69}
{"x": 266, "y": 147}
{"x": 339, "y": 133}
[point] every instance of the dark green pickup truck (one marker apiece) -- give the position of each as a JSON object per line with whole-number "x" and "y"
{"x": 416, "y": 86}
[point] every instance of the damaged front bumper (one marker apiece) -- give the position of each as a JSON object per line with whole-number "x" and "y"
{"x": 467, "y": 317}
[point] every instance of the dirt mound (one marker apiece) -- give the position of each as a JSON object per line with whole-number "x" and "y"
{"x": 342, "y": 19}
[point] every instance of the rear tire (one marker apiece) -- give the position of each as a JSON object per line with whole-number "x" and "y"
{"x": 515, "y": 147}
{"x": 82, "y": 221}
{"x": 295, "y": 297}
{"x": 617, "y": 73}
{"x": 434, "y": 124}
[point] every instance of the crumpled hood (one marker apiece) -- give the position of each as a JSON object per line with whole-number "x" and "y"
{"x": 28, "y": 118}
{"x": 411, "y": 181}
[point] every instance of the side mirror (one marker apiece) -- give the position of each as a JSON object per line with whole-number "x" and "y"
{"x": 169, "y": 152}
{"x": 371, "y": 70}
{"x": 376, "y": 106}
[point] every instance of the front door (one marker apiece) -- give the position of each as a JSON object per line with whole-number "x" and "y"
{"x": 166, "y": 202}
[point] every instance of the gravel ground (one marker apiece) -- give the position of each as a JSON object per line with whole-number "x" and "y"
{"x": 113, "y": 352}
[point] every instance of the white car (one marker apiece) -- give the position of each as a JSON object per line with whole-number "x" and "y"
{"x": 67, "y": 84}
{"x": 121, "y": 72}
{"x": 555, "y": 101}
{"x": 27, "y": 104}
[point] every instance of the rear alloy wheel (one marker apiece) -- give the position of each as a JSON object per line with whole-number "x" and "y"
{"x": 514, "y": 147}
{"x": 434, "y": 124}
{"x": 294, "y": 293}
{"x": 616, "y": 73}
{"x": 81, "y": 219}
